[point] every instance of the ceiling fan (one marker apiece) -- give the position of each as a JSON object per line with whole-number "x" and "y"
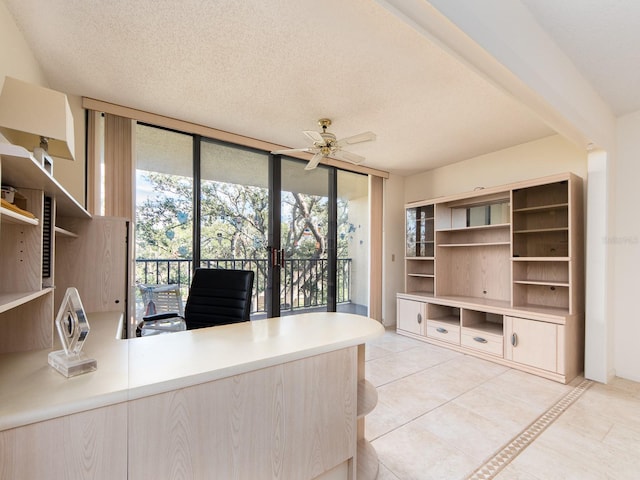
{"x": 325, "y": 144}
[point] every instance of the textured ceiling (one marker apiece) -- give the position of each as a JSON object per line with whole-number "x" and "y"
{"x": 269, "y": 70}
{"x": 602, "y": 38}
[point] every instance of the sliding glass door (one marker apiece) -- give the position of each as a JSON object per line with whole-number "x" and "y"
{"x": 205, "y": 203}
{"x": 234, "y": 213}
{"x": 353, "y": 243}
{"x": 305, "y": 241}
{"x": 163, "y": 215}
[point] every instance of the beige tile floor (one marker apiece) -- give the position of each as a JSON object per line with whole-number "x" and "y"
{"x": 442, "y": 414}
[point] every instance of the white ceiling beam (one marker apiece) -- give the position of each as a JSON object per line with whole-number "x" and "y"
{"x": 502, "y": 41}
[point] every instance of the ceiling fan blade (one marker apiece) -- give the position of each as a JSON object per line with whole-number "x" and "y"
{"x": 347, "y": 156}
{"x": 361, "y": 137}
{"x": 313, "y": 163}
{"x": 315, "y": 137}
{"x": 291, "y": 150}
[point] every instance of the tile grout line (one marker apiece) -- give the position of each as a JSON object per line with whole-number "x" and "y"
{"x": 509, "y": 452}
{"x": 448, "y": 401}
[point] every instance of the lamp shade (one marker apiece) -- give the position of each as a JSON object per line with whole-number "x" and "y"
{"x": 28, "y": 112}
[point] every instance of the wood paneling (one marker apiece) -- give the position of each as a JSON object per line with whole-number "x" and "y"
{"x": 295, "y": 420}
{"x": 29, "y": 326}
{"x": 85, "y": 445}
{"x": 95, "y": 263}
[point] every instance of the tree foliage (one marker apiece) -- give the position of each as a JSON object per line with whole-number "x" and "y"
{"x": 234, "y": 225}
{"x": 233, "y": 221}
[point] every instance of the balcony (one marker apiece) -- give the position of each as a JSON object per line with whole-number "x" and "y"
{"x": 303, "y": 282}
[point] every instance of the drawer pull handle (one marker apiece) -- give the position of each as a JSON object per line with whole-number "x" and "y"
{"x": 419, "y": 318}
{"x": 514, "y": 340}
{"x": 442, "y": 330}
{"x": 480, "y": 339}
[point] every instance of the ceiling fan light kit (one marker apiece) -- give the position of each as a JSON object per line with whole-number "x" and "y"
{"x": 325, "y": 145}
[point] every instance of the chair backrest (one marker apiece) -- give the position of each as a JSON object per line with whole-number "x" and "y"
{"x": 218, "y": 297}
{"x": 162, "y": 298}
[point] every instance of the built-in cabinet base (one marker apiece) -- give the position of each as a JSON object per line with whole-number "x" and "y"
{"x": 542, "y": 344}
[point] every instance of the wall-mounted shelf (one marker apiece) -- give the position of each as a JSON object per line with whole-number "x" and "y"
{"x": 9, "y": 301}
{"x": 477, "y": 244}
{"x": 21, "y": 170}
{"x": 542, "y": 208}
{"x": 28, "y": 250}
{"x": 542, "y": 230}
{"x": 65, "y": 233}
{"x": 9, "y": 216}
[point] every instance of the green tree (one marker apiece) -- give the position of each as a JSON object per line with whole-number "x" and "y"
{"x": 234, "y": 222}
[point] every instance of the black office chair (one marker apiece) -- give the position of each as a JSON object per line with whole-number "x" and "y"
{"x": 216, "y": 297}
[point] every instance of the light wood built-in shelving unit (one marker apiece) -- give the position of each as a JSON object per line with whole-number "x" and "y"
{"x": 27, "y": 253}
{"x": 498, "y": 273}
{"x": 37, "y": 261}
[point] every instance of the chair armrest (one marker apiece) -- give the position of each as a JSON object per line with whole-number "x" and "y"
{"x": 160, "y": 316}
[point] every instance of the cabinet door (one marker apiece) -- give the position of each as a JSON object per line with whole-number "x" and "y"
{"x": 532, "y": 343}
{"x": 411, "y": 316}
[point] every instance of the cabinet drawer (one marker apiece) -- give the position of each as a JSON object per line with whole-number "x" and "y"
{"x": 443, "y": 331}
{"x": 483, "y": 342}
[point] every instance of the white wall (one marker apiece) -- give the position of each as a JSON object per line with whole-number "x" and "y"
{"x": 18, "y": 61}
{"x": 16, "y": 58}
{"x": 624, "y": 246}
{"x": 539, "y": 158}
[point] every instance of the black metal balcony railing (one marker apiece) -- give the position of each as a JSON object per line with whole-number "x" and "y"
{"x": 304, "y": 282}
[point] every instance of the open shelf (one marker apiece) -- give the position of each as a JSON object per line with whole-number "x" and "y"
{"x": 10, "y": 301}
{"x": 443, "y": 313}
{"x": 542, "y": 282}
{"x": 541, "y": 230}
{"x": 21, "y": 170}
{"x": 420, "y": 293}
{"x": 533, "y": 295}
{"x": 497, "y": 226}
{"x": 541, "y": 208}
{"x": 542, "y": 243}
{"x": 540, "y": 196}
{"x": 540, "y": 259}
{"x": 489, "y": 328}
{"x": 367, "y": 398}
{"x": 65, "y": 233}
{"x": 486, "y": 244}
{"x": 367, "y": 462}
{"x": 487, "y": 235}
{"x": 480, "y": 321}
{"x": 9, "y": 216}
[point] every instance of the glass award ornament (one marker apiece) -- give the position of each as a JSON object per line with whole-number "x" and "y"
{"x": 73, "y": 328}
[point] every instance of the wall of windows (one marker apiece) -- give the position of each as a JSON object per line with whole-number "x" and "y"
{"x": 232, "y": 192}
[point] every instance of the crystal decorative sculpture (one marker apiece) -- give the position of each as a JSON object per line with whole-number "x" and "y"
{"x": 73, "y": 328}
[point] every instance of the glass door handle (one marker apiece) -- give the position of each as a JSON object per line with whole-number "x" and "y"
{"x": 275, "y": 256}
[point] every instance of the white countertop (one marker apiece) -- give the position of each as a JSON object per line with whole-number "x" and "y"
{"x": 32, "y": 391}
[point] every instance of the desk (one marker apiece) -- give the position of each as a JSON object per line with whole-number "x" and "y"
{"x": 252, "y": 397}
